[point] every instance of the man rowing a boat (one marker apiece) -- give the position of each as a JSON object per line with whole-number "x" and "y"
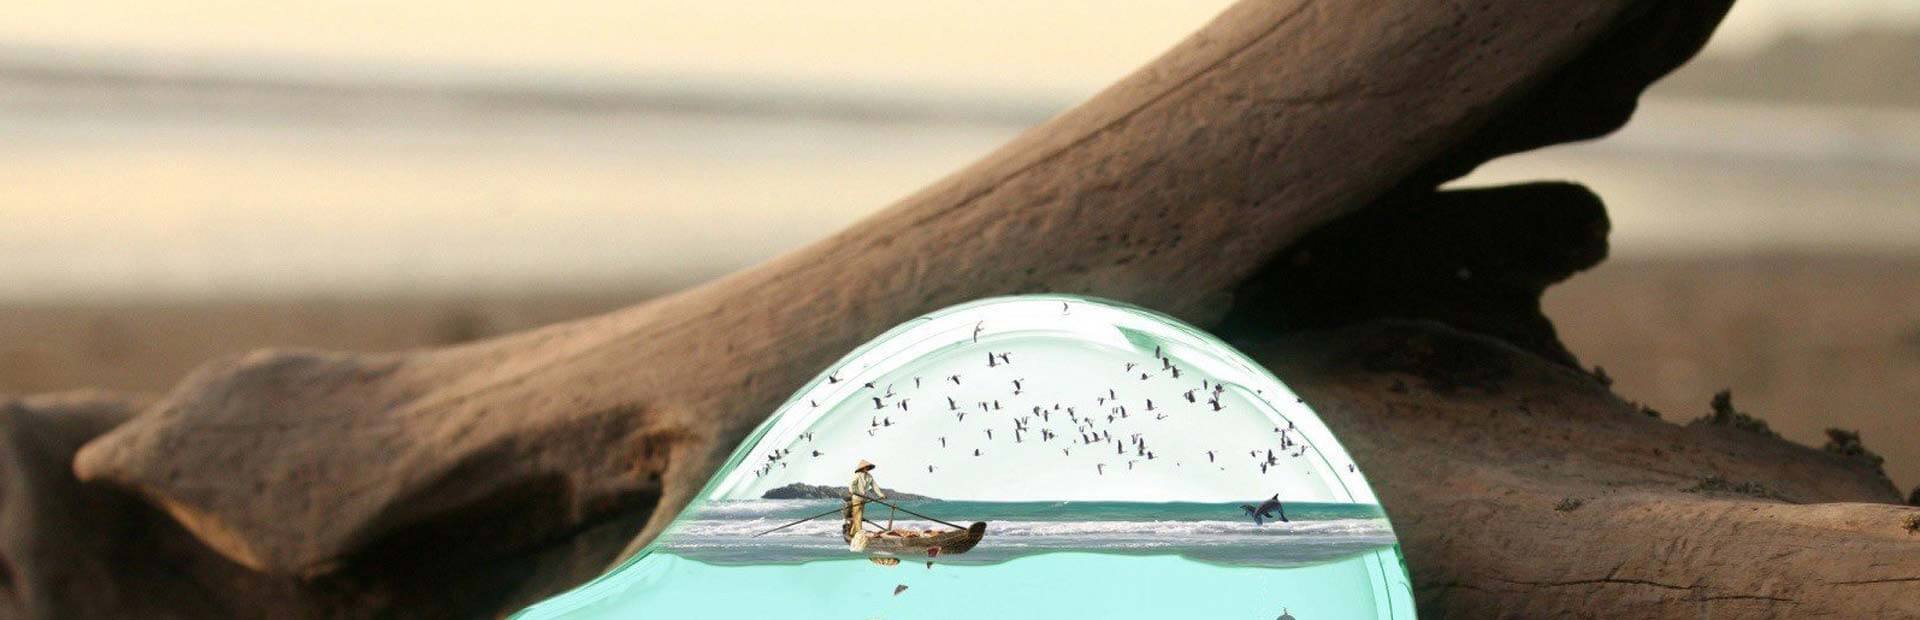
{"x": 858, "y": 491}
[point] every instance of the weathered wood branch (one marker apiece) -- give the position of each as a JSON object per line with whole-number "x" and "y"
{"x": 1250, "y": 159}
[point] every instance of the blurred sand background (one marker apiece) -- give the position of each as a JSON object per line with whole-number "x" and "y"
{"x": 213, "y": 177}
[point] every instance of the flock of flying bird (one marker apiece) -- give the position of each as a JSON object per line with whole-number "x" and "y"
{"x": 1067, "y": 427}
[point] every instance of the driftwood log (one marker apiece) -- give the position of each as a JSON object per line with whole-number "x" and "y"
{"x": 1274, "y": 177}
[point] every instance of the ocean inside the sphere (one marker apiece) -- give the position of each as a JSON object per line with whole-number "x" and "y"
{"x": 1042, "y": 456}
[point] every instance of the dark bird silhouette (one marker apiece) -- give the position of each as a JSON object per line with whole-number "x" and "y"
{"x": 816, "y": 453}
{"x": 1189, "y": 395}
{"x": 976, "y": 330}
{"x": 1209, "y": 456}
{"x": 943, "y": 442}
{"x": 954, "y": 378}
{"x": 952, "y": 406}
{"x": 832, "y": 379}
{"x": 877, "y": 404}
{"x": 976, "y": 452}
{"x": 1267, "y": 510}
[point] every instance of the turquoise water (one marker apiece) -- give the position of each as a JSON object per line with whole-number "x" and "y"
{"x": 1055, "y": 585}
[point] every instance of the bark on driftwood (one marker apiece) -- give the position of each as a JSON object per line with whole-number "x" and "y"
{"x": 1274, "y": 175}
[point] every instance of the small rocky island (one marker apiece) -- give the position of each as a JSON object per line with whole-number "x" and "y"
{"x": 801, "y": 490}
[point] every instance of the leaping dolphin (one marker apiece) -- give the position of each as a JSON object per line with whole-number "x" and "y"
{"x": 1267, "y": 510}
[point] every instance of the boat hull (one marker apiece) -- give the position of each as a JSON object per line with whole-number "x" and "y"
{"x": 946, "y": 543}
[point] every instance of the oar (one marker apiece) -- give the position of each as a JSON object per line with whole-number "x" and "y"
{"x": 798, "y": 522}
{"x": 891, "y": 505}
{"x": 806, "y": 520}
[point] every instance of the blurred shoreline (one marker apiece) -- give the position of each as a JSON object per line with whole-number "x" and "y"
{"x": 162, "y": 211}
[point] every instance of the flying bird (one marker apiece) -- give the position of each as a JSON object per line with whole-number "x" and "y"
{"x": 1267, "y": 510}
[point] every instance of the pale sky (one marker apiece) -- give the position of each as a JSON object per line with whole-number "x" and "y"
{"x": 1066, "y": 47}
{"x": 192, "y": 193}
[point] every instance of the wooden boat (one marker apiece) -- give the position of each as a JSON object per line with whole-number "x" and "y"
{"x": 902, "y": 542}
